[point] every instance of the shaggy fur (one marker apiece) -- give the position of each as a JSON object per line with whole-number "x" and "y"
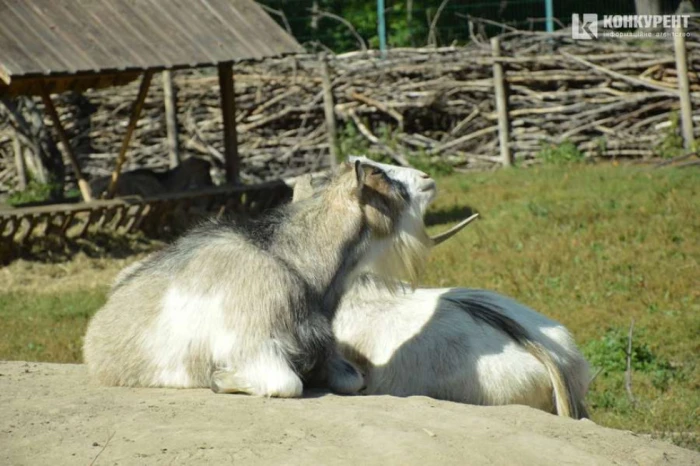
{"x": 249, "y": 308}
{"x": 407, "y": 253}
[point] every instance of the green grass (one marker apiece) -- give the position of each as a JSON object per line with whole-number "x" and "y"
{"x": 594, "y": 247}
{"x": 591, "y": 246}
{"x": 46, "y": 326}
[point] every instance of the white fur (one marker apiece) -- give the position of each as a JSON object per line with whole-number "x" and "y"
{"x": 181, "y": 324}
{"x": 420, "y": 184}
{"x": 410, "y": 343}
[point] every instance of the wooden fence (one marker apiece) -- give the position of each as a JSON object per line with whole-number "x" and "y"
{"x": 490, "y": 103}
{"x": 610, "y": 98}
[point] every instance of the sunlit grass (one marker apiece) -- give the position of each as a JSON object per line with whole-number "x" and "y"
{"x": 594, "y": 247}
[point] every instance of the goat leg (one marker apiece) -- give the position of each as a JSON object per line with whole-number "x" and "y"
{"x": 272, "y": 382}
{"x": 343, "y": 377}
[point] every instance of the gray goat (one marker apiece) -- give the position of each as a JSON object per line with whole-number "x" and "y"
{"x": 249, "y": 308}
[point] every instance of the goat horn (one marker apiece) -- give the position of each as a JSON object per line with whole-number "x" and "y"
{"x": 452, "y": 231}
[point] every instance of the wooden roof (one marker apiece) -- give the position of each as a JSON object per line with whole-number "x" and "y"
{"x": 50, "y": 40}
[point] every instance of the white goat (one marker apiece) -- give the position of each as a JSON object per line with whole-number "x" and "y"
{"x": 459, "y": 344}
{"x": 249, "y": 309}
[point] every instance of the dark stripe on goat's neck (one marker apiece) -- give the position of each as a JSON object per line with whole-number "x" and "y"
{"x": 352, "y": 253}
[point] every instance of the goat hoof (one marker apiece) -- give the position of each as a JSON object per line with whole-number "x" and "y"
{"x": 345, "y": 378}
{"x": 227, "y": 382}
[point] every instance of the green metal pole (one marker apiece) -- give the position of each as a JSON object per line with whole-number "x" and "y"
{"x": 549, "y": 14}
{"x": 381, "y": 26}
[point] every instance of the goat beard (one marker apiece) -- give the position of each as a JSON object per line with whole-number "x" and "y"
{"x": 405, "y": 257}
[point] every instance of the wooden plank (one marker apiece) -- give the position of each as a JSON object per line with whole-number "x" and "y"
{"x": 501, "y": 104}
{"x": 133, "y": 119}
{"x": 57, "y": 85}
{"x": 329, "y": 110}
{"x": 225, "y": 191}
{"x": 228, "y": 110}
{"x": 171, "y": 119}
{"x": 53, "y": 114}
{"x": 19, "y": 164}
{"x": 683, "y": 87}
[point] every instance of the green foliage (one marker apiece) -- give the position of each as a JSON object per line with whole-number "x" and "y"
{"x": 564, "y": 153}
{"x": 408, "y": 22}
{"x": 35, "y": 192}
{"x": 672, "y": 143}
{"x": 350, "y": 141}
{"x": 609, "y": 353}
{"x": 432, "y": 166}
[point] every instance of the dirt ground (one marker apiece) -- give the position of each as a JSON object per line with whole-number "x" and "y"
{"x": 51, "y": 414}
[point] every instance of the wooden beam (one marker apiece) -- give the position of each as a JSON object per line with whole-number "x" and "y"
{"x": 683, "y": 87}
{"x": 329, "y": 110}
{"x": 171, "y": 118}
{"x": 23, "y": 130}
{"x": 19, "y": 163}
{"x": 228, "y": 110}
{"x": 133, "y": 119}
{"x": 501, "y": 104}
{"x": 53, "y": 114}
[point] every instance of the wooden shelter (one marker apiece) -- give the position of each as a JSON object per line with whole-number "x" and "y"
{"x": 52, "y": 46}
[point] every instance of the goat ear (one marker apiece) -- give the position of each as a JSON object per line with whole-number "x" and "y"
{"x": 302, "y": 188}
{"x": 359, "y": 174}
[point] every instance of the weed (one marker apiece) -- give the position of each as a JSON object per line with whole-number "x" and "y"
{"x": 35, "y": 192}
{"x": 609, "y": 353}
{"x": 671, "y": 144}
{"x": 564, "y": 153}
{"x": 433, "y": 166}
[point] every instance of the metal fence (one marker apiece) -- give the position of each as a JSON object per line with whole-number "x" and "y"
{"x": 344, "y": 25}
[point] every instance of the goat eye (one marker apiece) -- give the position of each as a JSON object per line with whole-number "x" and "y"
{"x": 376, "y": 171}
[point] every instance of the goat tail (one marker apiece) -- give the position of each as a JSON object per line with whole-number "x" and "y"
{"x": 564, "y": 400}
{"x": 481, "y": 307}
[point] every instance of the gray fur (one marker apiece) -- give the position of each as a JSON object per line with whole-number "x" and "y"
{"x": 248, "y": 308}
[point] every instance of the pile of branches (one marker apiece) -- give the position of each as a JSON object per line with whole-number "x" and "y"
{"x": 609, "y": 98}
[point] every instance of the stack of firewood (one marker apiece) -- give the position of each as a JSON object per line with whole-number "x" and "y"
{"x": 609, "y": 98}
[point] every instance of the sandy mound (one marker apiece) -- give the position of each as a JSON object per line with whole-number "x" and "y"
{"x": 49, "y": 414}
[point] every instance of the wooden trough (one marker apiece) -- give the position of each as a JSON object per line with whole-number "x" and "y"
{"x": 158, "y": 215}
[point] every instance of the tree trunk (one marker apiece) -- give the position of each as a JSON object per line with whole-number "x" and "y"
{"x": 648, "y": 7}
{"x": 46, "y": 162}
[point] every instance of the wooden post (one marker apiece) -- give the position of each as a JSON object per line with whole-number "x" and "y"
{"x": 228, "y": 110}
{"x": 329, "y": 110}
{"x": 19, "y": 163}
{"x": 53, "y": 114}
{"x": 683, "y": 87}
{"x": 501, "y": 103}
{"x": 171, "y": 118}
{"x": 133, "y": 119}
